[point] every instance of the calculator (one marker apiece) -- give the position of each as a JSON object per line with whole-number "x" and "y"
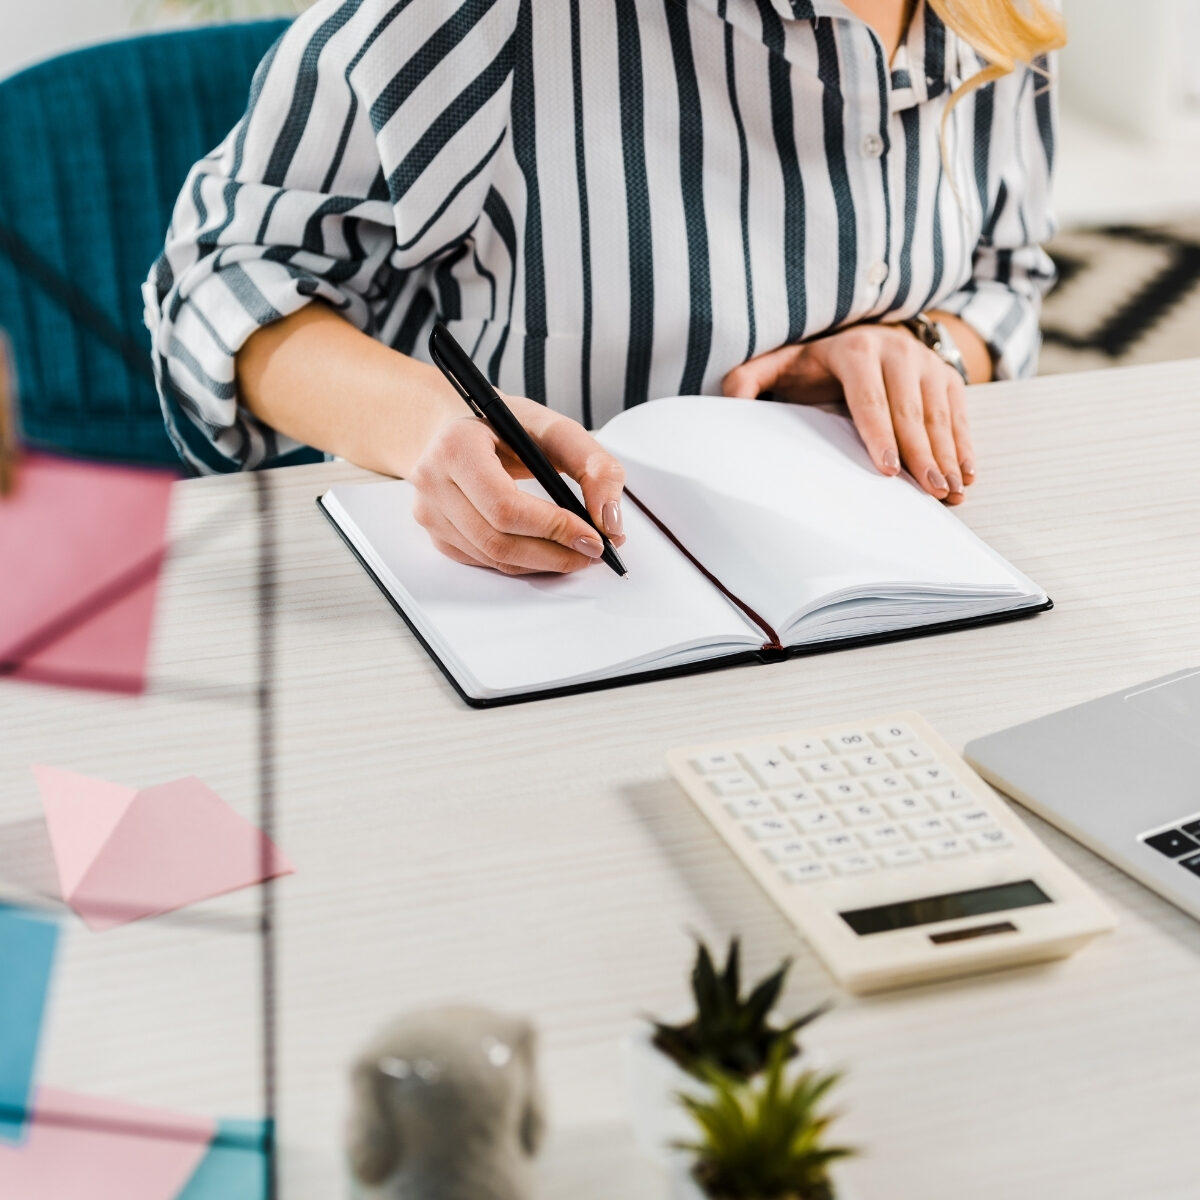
{"x": 893, "y": 859}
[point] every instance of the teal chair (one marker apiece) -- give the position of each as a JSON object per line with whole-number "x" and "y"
{"x": 96, "y": 145}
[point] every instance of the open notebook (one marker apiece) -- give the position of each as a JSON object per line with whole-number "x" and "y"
{"x": 755, "y": 530}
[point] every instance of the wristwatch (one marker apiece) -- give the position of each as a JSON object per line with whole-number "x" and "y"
{"x": 939, "y": 339}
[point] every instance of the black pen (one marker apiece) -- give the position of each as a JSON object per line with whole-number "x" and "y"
{"x": 472, "y": 385}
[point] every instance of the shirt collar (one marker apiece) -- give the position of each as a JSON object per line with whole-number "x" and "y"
{"x": 925, "y": 62}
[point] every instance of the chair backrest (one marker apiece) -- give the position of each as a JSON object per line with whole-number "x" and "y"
{"x": 95, "y": 146}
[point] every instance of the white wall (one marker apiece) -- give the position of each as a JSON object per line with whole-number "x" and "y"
{"x": 36, "y": 29}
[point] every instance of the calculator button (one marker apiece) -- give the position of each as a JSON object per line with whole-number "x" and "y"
{"x": 749, "y": 806}
{"x": 770, "y": 765}
{"x": 991, "y": 839}
{"x": 715, "y": 760}
{"x": 900, "y": 856}
{"x": 854, "y": 864}
{"x": 836, "y": 843}
{"x": 971, "y": 819}
{"x": 864, "y": 764}
{"x": 946, "y": 847}
{"x": 883, "y": 835}
{"x": 792, "y": 850}
{"x": 795, "y": 799}
{"x": 863, "y": 813}
{"x": 808, "y": 872}
{"x": 893, "y": 734}
{"x": 1172, "y": 843}
{"x": 815, "y": 820}
{"x": 843, "y": 792}
{"x": 733, "y": 785}
{"x": 806, "y": 748}
{"x": 820, "y": 769}
{"x": 924, "y": 777}
{"x": 949, "y": 797}
{"x": 851, "y": 741}
{"x": 905, "y": 806}
{"x": 768, "y": 827}
{"x": 928, "y": 827}
{"x": 1192, "y": 862}
{"x": 886, "y": 785}
{"x": 910, "y": 756}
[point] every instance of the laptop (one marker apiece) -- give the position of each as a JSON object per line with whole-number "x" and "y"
{"x": 1120, "y": 774}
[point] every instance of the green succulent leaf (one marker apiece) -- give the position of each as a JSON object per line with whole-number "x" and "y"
{"x": 729, "y": 1031}
{"x": 764, "y": 996}
{"x": 731, "y": 976}
{"x": 763, "y": 1139}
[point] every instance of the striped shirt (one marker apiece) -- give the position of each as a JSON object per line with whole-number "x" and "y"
{"x": 605, "y": 200}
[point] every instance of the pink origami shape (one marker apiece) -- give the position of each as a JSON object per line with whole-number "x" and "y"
{"x": 81, "y": 546}
{"x": 88, "y": 1148}
{"x": 124, "y": 853}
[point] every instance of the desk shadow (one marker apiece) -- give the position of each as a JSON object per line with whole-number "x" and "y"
{"x": 27, "y": 868}
{"x": 735, "y": 904}
{"x": 722, "y": 887}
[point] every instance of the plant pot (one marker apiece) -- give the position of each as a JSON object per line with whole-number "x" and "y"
{"x": 652, "y": 1085}
{"x": 684, "y": 1187}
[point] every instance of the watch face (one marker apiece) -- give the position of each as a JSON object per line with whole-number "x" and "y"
{"x": 947, "y": 349}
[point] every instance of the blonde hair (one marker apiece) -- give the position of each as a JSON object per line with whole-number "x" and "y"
{"x": 1003, "y": 32}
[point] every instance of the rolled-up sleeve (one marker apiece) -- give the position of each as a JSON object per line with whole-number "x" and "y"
{"x": 1011, "y": 272}
{"x": 296, "y": 205}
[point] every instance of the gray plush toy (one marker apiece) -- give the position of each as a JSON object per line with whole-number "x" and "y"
{"x": 446, "y": 1106}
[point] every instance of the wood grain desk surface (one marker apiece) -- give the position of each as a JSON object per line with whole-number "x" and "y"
{"x": 539, "y": 858}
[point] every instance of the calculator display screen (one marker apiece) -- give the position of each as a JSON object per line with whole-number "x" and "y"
{"x": 907, "y": 913}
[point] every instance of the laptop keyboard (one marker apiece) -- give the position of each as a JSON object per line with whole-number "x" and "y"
{"x": 1180, "y": 842}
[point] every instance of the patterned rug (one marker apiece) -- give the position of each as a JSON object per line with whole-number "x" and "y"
{"x": 1126, "y": 294}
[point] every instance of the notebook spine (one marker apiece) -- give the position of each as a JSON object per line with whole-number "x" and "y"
{"x": 773, "y": 649}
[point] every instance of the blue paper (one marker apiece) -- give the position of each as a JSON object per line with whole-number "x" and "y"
{"x": 27, "y": 944}
{"x": 235, "y": 1167}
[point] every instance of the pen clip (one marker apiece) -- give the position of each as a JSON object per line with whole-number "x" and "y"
{"x": 447, "y": 370}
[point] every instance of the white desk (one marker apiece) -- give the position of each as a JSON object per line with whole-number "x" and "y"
{"x": 537, "y": 857}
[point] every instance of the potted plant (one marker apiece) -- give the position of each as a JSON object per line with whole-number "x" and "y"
{"x": 759, "y": 1139}
{"x": 727, "y": 1032}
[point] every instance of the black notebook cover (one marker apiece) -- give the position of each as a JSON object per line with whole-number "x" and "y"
{"x": 765, "y": 655}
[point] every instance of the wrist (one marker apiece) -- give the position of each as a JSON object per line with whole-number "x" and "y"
{"x": 974, "y": 350}
{"x": 937, "y": 337}
{"x": 422, "y": 406}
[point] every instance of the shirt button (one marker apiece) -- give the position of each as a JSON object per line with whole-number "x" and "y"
{"x": 872, "y": 145}
{"x": 877, "y": 272}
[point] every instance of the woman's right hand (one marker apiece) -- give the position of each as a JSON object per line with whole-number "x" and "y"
{"x": 469, "y": 504}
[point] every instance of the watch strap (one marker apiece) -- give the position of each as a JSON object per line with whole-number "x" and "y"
{"x": 938, "y": 338}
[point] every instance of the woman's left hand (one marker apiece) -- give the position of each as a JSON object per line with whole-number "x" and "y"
{"x": 907, "y": 404}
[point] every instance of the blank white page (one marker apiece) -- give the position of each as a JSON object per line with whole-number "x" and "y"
{"x": 502, "y": 635}
{"x": 783, "y": 504}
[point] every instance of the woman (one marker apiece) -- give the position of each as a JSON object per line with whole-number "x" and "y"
{"x": 606, "y": 201}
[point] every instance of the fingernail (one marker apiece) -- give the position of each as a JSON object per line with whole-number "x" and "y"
{"x": 954, "y": 484}
{"x": 891, "y": 460}
{"x": 589, "y": 546}
{"x": 611, "y": 512}
{"x": 936, "y": 479}
{"x": 968, "y": 467}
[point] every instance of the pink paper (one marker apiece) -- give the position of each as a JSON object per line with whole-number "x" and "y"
{"x": 87, "y": 1148}
{"x": 124, "y": 853}
{"x": 80, "y": 550}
